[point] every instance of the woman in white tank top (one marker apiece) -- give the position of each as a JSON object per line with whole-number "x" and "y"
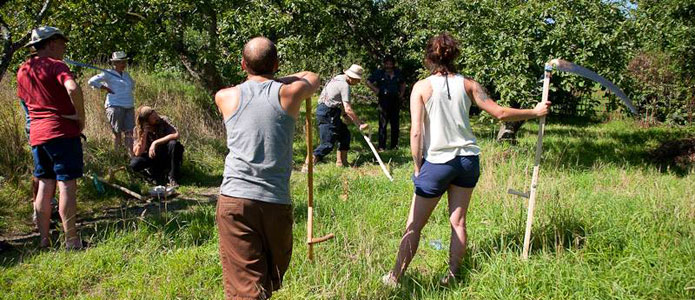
{"x": 444, "y": 149}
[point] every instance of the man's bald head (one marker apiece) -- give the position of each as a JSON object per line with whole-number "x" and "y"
{"x": 260, "y": 56}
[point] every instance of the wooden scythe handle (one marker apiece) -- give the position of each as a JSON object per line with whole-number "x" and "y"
{"x": 310, "y": 240}
{"x": 310, "y": 183}
{"x": 322, "y": 239}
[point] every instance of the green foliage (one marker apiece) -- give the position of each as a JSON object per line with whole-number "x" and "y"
{"x": 658, "y": 90}
{"x": 664, "y": 69}
{"x": 506, "y": 43}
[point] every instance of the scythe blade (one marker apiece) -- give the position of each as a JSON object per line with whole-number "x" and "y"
{"x": 566, "y": 66}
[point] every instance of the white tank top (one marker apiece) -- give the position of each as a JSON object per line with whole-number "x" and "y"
{"x": 447, "y": 128}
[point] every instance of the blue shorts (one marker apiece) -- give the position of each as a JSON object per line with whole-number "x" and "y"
{"x": 434, "y": 179}
{"x": 59, "y": 159}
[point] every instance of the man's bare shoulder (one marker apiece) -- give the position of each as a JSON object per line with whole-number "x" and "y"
{"x": 227, "y": 94}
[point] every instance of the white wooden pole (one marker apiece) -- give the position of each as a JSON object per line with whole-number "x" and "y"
{"x": 536, "y": 166}
{"x": 378, "y": 158}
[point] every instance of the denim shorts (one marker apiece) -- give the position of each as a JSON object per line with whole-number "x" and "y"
{"x": 434, "y": 179}
{"x": 59, "y": 158}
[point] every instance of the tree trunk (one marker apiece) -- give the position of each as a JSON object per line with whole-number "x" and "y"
{"x": 9, "y": 47}
{"x": 204, "y": 73}
{"x": 508, "y": 131}
{"x": 6, "y": 56}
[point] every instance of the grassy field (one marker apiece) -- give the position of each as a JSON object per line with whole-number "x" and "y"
{"x": 610, "y": 222}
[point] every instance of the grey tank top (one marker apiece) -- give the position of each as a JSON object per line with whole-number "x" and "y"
{"x": 259, "y": 138}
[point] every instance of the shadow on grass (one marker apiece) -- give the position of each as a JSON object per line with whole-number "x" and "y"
{"x": 581, "y": 147}
{"x": 194, "y": 175}
{"x": 559, "y": 235}
{"x": 185, "y": 221}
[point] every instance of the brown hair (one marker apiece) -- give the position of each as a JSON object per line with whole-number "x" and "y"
{"x": 441, "y": 53}
{"x": 141, "y": 116}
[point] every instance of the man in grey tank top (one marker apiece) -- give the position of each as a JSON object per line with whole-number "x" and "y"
{"x": 254, "y": 209}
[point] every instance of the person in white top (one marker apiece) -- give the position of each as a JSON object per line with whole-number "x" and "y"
{"x": 444, "y": 150}
{"x": 119, "y": 102}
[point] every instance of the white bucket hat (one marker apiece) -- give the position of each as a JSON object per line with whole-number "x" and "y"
{"x": 119, "y": 56}
{"x": 43, "y": 33}
{"x": 355, "y": 71}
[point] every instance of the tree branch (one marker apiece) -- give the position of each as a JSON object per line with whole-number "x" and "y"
{"x": 8, "y": 46}
{"x": 39, "y": 18}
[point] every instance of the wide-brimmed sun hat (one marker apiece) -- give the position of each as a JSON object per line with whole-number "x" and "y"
{"x": 43, "y": 33}
{"x": 355, "y": 71}
{"x": 119, "y": 56}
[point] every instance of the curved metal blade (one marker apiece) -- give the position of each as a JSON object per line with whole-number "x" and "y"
{"x": 566, "y": 66}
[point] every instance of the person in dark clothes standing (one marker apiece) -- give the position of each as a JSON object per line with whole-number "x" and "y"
{"x": 157, "y": 150}
{"x": 389, "y": 86}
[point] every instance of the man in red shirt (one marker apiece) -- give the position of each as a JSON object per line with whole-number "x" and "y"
{"x": 56, "y": 109}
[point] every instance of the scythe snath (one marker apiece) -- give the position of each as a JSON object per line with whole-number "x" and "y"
{"x": 310, "y": 240}
{"x": 564, "y": 66}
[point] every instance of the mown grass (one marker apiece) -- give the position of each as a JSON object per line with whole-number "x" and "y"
{"x": 609, "y": 223}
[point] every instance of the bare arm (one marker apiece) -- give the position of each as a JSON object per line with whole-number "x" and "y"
{"x": 297, "y": 87}
{"x": 139, "y": 147}
{"x": 421, "y": 91}
{"x": 75, "y": 93}
{"x": 372, "y": 87}
{"x": 353, "y": 116}
{"x": 482, "y": 100}
{"x": 167, "y": 138}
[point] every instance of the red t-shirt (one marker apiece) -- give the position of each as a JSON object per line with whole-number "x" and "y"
{"x": 40, "y": 83}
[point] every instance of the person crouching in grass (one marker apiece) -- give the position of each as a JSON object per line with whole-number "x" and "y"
{"x": 158, "y": 153}
{"x": 439, "y": 108}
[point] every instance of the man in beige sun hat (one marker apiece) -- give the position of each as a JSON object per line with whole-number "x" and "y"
{"x": 119, "y": 102}
{"x": 334, "y": 97}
